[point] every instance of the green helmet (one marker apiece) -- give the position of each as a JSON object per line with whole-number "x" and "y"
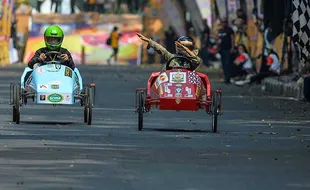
{"x": 53, "y": 37}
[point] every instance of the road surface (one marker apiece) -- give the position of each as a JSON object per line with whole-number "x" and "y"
{"x": 263, "y": 142}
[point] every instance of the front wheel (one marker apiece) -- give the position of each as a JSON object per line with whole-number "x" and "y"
{"x": 85, "y": 104}
{"x": 140, "y": 110}
{"x": 215, "y": 111}
{"x": 88, "y": 108}
{"x": 13, "y": 103}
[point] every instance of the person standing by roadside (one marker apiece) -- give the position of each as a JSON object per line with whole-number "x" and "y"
{"x": 226, "y": 48}
{"x": 114, "y": 38}
{"x": 91, "y": 5}
{"x": 57, "y": 4}
{"x": 100, "y": 6}
{"x": 39, "y": 4}
{"x": 170, "y": 37}
{"x": 72, "y": 5}
{"x": 204, "y": 39}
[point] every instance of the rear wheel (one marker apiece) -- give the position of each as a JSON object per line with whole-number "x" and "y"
{"x": 140, "y": 110}
{"x": 90, "y": 106}
{"x": 16, "y": 104}
{"x": 215, "y": 111}
{"x": 85, "y": 104}
{"x": 14, "y": 110}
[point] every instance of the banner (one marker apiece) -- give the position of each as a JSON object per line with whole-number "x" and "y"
{"x": 89, "y": 30}
{"x": 205, "y": 10}
{"x": 5, "y": 30}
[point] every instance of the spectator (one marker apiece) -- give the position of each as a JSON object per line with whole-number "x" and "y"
{"x": 91, "y": 5}
{"x": 242, "y": 15}
{"x": 242, "y": 64}
{"x": 170, "y": 37}
{"x": 204, "y": 39}
{"x": 114, "y": 36}
{"x": 109, "y": 6}
{"x": 260, "y": 44}
{"x": 39, "y": 4}
{"x": 100, "y": 6}
{"x": 85, "y": 6}
{"x": 226, "y": 48}
{"x": 272, "y": 68}
{"x": 57, "y": 6}
{"x": 72, "y": 5}
{"x": 241, "y": 35}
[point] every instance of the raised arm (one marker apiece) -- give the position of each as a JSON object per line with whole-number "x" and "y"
{"x": 157, "y": 47}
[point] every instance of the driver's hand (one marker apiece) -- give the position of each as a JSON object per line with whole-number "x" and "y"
{"x": 181, "y": 46}
{"x": 64, "y": 57}
{"x": 35, "y": 66}
{"x": 143, "y": 37}
{"x": 42, "y": 57}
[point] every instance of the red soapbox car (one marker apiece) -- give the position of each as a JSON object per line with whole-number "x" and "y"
{"x": 179, "y": 89}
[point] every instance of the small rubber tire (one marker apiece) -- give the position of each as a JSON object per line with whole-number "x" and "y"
{"x": 140, "y": 109}
{"x": 13, "y": 103}
{"x": 215, "y": 112}
{"x": 90, "y": 106}
{"x": 85, "y": 104}
{"x": 16, "y": 107}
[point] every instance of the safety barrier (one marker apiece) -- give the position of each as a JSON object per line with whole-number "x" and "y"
{"x": 4, "y": 52}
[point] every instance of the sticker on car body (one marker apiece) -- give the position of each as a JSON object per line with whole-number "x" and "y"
{"x": 161, "y": 79}
{"x": 68, "y": 72}
{"x": 189, "y": 92}
{"x": 43, "y": 86}
{"x": 42, "y": 97}
{"x": 55, "y": 86}
{"x": 55, "y": 98}
{"x": 178, "y": 77}
{"x": 40, "y": 70}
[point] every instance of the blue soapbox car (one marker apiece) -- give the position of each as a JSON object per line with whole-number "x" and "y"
{"x": 53, "y": 84}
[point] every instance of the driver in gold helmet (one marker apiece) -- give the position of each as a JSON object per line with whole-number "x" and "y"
{"x": 185, "y": 46}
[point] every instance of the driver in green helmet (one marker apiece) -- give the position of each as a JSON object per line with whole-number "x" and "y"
{"x": 53, "y": 37}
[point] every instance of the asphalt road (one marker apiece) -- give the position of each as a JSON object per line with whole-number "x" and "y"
{"x": 263, "y": 142}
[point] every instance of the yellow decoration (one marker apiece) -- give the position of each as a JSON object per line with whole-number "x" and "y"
{"x": 5, "y": 31}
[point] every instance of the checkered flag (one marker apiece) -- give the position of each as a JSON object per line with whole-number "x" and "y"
{"x": 301, "y": 28}
{"x": 194, "y": 78}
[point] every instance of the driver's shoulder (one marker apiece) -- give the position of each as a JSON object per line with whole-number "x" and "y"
{"x": 63, "y": 50}
{"x": 42, "y": 50}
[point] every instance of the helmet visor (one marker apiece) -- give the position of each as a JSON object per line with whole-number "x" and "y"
{"x": 53, "y": 40}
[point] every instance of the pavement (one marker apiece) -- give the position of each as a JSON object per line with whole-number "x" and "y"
{"x": 263, "y": 141}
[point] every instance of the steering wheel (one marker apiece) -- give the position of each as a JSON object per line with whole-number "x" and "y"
{"x": 183, "y": 60}
{"x": 58, "y": 59}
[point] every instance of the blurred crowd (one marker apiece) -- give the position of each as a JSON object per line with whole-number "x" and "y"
{"x": 246, "y": 56}
{"x": 100, "y": 6}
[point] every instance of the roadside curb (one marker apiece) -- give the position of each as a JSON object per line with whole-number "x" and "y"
{"x": 274, "y": 86}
